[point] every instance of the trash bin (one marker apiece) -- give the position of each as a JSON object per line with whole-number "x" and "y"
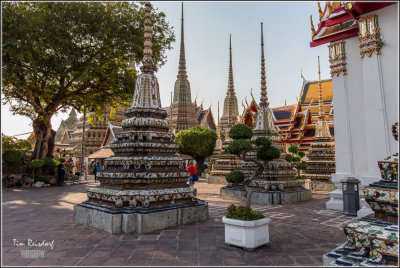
{"x": 351, "y": 197}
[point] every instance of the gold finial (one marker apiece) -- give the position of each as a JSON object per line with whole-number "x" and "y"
{"x": 251, "y": 93}
{"x": 247, "y": 104}
{"x": 320, "y": 11}
{"x": 301, "y": 74}
{"x": 349, "y": 5}
{"x": 312, "y": 27}
{"x": 244, "y": 108}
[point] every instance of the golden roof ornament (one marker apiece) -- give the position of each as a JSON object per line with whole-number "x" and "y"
{"x": 321, "y": 115}
{"x": 321, "y": 14}
{"x": 329, "y": 8}
{"x": 312, "y": 27}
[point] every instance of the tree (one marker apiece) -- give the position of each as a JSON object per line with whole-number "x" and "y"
{"x": 58, "y": 55}
{"x": 197, "y": 142}
{"x": 294, "y": 157}
{"x": 241, "y": 135}
{"x": 8, "y": 143}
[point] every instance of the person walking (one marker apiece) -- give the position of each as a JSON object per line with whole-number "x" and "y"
{"x": 193, "y": 173}
{"x": 61, "y": 173}
{"x": 96, "y": 168}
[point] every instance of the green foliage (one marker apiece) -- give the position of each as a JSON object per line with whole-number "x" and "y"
{"x": 262, "y": 141}
{"x": 235, "y": 176}
{"x": 294, "y": 156}
{"x": 11, "y": 156}
{"x": 197, "y": 142}
{"x": 62, "y": 54}
{"x": 8, "y": 142}
{"x": 243, "y": 213}
{"x": 36, "y": 163}
{"x": 237, "y": 147}
{"x": 60, "y": 160}
{"x": 240, "y": 131}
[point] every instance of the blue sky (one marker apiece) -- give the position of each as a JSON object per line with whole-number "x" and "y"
{"x": 287, "y": 34}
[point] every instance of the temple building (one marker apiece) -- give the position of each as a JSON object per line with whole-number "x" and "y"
{"x": 95, "y": 131}
{"x": 363, "y": 43}
{"x": 296, "y": 123}
{"x": 143, "y": 186}
{"x": 321, "y": 157}
{"x": 66, "y": 127}
{"x": 276, "y": 184}
{"x": 182, "y": 114}
{"x": 223, "y": 163}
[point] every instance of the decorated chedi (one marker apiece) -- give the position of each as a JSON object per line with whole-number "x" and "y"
{"x": 373, "y": 240}
{"x": 224, "y": 162}
{"x": 143, "y": 186}
{"x": 321, "y": 163}
{"x": 218, "y": 146}
{"x": 182, "y": 110}
{"x": 276, "y": 184}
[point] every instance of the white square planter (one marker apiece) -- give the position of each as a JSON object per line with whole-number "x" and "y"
{"x": 246, "y": 234}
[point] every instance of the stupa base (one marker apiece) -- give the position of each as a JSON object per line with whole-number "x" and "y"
{"x": 212, "y": 179}
{"x": 139, "y": 221}
{"x": 266, "y": 197}
{"x": 322, "y": 186}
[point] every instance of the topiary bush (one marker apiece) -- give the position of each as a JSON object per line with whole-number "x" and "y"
{"x": 243, "y": 213}
{"x": 235, "y": 177}
{"x": 240, "y": 131}
{"x": 36, "y": 163}
{"x": 12, "y": 156}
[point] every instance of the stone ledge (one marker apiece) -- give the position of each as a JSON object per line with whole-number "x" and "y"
{"x": 139, "y": 222}
{"x": 267, "y": 197}
{"x": 216, "y": 179}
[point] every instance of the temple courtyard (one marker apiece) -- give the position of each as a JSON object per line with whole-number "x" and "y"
{"x": 300, "y": 233}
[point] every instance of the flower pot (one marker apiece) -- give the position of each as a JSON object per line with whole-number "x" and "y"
{"x": 246, "y": 234}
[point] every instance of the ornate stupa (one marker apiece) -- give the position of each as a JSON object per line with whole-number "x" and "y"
{"x": 225, "y": 163}
{"x": 95, "y": 130}
{"x": 321, "y": 163}
{"x": 143, "y": 186}
{"x": 230, "y": 112}
{"x": 276, "y": 184}
{"x": 182, "y": 110}
{"x": 218, "y": 145}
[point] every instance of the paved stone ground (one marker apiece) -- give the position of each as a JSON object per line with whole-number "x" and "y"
{"x": 300, "y": 233}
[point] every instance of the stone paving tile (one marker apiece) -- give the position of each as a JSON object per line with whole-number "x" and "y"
{"x": 292, "y": 241}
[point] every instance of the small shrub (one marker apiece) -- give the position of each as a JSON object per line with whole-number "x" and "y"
{"x": 12, "y": 156}
{"x": 243, "y": 213}
{"x": 36, "y": 163}
{"x": 240, "y": 131}
{"x": 236, "y": 147}
{"x": 235, "y": 176}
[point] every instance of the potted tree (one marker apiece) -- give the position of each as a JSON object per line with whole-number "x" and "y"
{"x": 245, "y": 227}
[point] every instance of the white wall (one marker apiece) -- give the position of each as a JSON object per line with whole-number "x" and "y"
{"x": 366, "y": 106}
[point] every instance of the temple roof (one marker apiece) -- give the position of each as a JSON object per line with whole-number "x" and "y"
{"x": 284, "y": 112}
{"x": 310, "y": 91}
{"x": 339, "y": 20}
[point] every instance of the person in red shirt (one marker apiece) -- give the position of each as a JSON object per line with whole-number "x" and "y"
{"x": 193, "y": 171}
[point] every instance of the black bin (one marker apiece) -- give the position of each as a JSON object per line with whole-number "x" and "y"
{"x": 351, "y": 196}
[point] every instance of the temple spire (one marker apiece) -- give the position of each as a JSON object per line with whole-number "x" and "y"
{"x": 321, "y": 114}
{"x": 263, "y": 99}
{"x": 230, "y": 83}
{"x": 182, "y": 75}
{"x": 148, "y": 65}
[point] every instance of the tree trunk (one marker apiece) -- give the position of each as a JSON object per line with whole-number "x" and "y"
{"x": 247, "y": 181}
{"x": 44, "y": 144}
{"x": 200, "y": 166}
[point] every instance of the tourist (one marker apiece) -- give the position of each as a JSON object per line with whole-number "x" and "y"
{"x": 96, "y": 168}
{"x": 193, "y": 173}
{"x": 61, "y": 173}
